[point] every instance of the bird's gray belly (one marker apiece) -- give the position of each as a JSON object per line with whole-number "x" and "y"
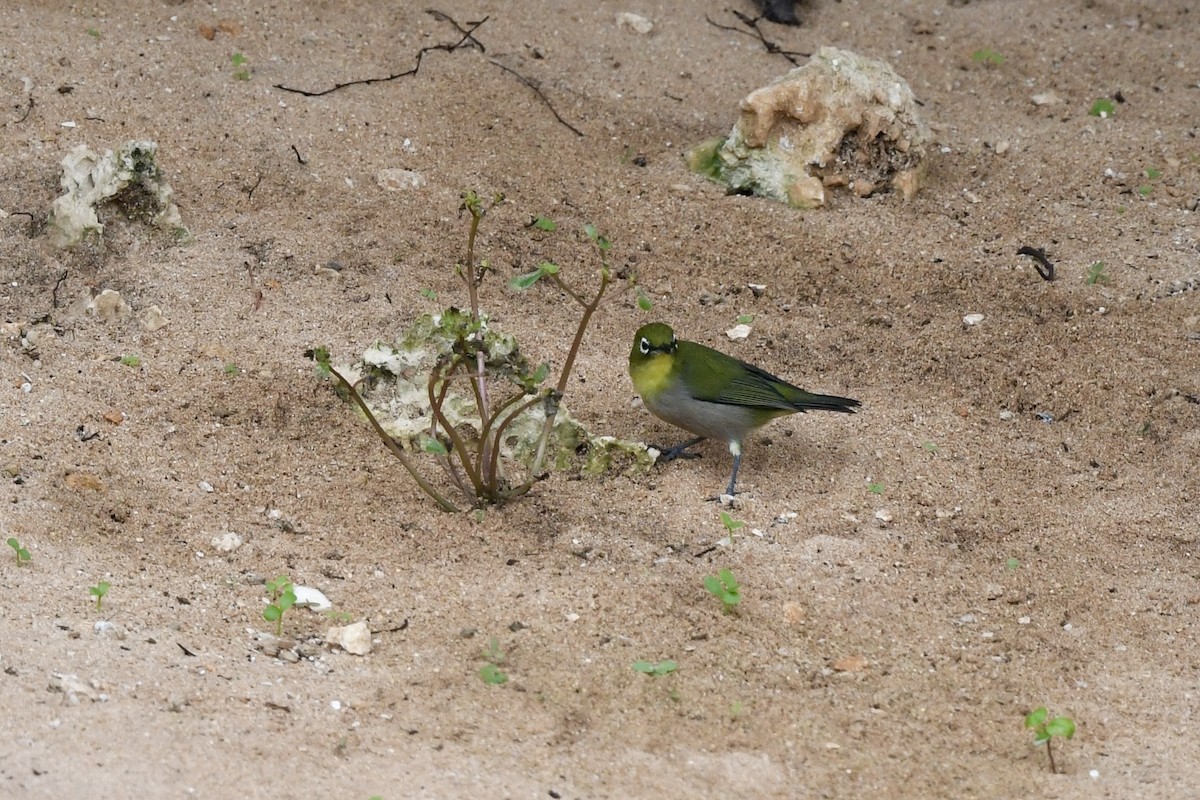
{"x": 728, "y": 423}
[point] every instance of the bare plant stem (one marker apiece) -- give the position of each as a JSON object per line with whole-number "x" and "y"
{"x": 1050, "y": 753}
{"x": 588, "y": 310}
{"x": 399, "y": 453}
{"x": 456, "y": 443}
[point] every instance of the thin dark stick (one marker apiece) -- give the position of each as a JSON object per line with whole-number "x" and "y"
{"x": 1041, "y": 263}
{"x": 299, "y": 158}
{"x": 28, "y": 111}
{"x": 444, "y": 17}
{"x": 467, "y": 36}
{"x": 537, "y": 90}
{"x": 752, "y": 24}
{"x": 57, "y": 283}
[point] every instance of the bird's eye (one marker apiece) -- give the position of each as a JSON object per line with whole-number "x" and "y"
{"x": 644, "y": 346}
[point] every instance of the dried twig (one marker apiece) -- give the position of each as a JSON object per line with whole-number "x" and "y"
{"x": 468, "y": 36}
{"x": 538, "y": 91}
{"x": 1041, "y": 263}
{"x": 752, "y": 24}
{"x": 299, "y": 158}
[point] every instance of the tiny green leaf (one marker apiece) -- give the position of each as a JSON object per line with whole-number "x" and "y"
{"x": 644, "y": 302}
{"x": 272, "y": 613}
{"x": 875, "y": 488}
{"x": 522, "y": 282}
{"x": 730, "y": 523}
{"x": 492, "y": 675}
{"x": 431, "y": 445}
{"x": 1012, "y": 564}
{"x": 1103, "y": 108}
{"x": 548, "y": 268}
{"x": 545, "y": 224}
{"x": 745, "y": 319}
{"x": 541, "y": 373}
{"x": 1036, "y": 717}
{"x": 131, "y": 361}
{"x": 1061, "y": 726}
{"x": 231, "y": 369}
{"x": 1153, "y": 173}
{"x": 429, "y": 294}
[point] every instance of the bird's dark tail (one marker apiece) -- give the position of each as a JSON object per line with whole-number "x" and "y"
{"x": 807, "y": 401}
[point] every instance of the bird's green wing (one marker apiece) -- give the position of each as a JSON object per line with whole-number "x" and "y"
{"x": 714, "y": 377}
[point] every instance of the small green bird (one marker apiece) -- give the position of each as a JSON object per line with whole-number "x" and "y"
{"x": 713, "y": 395}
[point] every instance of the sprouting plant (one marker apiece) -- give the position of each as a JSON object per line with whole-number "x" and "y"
{"x": 1045, "y": 729}
{"x": 1096, "y": 274}
{"x": 1012, "y": 564}
{"x": 1146, "y": 189}
{"x": 240, "y": 71}
{"x": 283, "y": 596}
{"x": 490, "y": 673}
{"x": 643, "y": 300}
{"x": 656, "y": 668}
{"x": 1103, "y": 108}
{"x": 875, "y": 488}
{"x": 93, "y": 32}
{"x": 745, "y": 319}
{"x": 731, "y": 525}
{"x": 131, "y": 361}
{"x": 545, "y": 224}
{"x": 22, "y": 554}
{"x": 231, "y": 369}
{"x": 99, "y": 591}
{"x": 429, "y": 294}
{"x": 724, "y": 587}
{"x": 929, "y": 447}
{"x": 503, "y": 385}
{"x": 987, "y": 56}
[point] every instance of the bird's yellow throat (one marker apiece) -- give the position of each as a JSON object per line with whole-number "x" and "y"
{"x": 652, "y": 375}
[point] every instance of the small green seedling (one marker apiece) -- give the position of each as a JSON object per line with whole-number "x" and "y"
{"x": 987, "y": 56}
{"x": 1103, "y": 108}
{"x": 240, "y": 71}
{"x": 131, "y": 361}
{"x": 724, "y": 587}
{"x": 490, "y": 673}
{"x": 1012, "y": 564}
{"x": 283, "y": 597}
{"x": 1044, "y": 730}
{"x": 99, "y": 591}
{"x": 231, "y": 369}
{"x": 1096, "y": 274}
{"x": 745, "y": 319}
{"x": 731, "y": 525}
{"x": 22, "y": 554}
{"x": 545, "y": 224}
{"x": 429, "y": 294}
{"x": 93, "y": 32}
{"x": 875, "y": 488}
{"x": 643, "y": 300}
{"x": 656, "y": 668}
{"x": 929, "y": 447}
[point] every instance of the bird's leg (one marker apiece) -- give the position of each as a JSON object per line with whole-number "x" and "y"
{"x": 671, "y": 453}
{"x": 736, "y": 449}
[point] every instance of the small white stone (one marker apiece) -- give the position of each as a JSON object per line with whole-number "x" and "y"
{"x": 1023, "y": 620}
{"x": 312, "y": 598}
{"x": 206, "y": 486}
{"x": 399, "y": 180}
{"x": 354, "y": 639}
{"x": 108, "y": 306}
{"x": 1045, "y": 99}
{"x": 741, "y": 331}
{"x": 635, "y": 22}
{"x": 152, "y": 319}
{"x": 973, "y": 319}
{"x": 1007, "y": 415}
{"x": 227, "y": 542}
{"x": 883, "y": 515}
{"x": 336, "y": 705}
{"x": 572, "y": 617}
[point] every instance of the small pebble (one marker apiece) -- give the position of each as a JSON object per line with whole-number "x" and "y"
{"x": 206, "y": 486}
{"x": 973, "y": 319}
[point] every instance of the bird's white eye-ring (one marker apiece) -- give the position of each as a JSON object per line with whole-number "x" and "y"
{"x": 644, "y": 346}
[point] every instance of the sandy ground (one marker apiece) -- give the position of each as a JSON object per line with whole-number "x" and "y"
{"x": 1010, "y": 522}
